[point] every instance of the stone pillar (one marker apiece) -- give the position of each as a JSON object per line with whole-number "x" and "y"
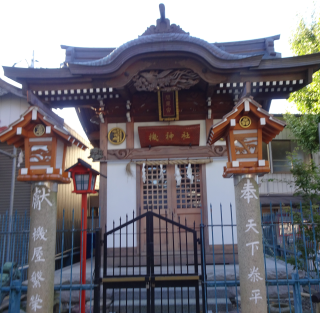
{"x": 42, "y": 244}
{"x": 250, "y": 248}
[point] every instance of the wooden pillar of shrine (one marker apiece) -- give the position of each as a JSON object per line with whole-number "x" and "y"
{"x": 103, "y": 172}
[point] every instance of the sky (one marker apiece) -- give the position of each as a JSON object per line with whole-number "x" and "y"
{"x": 42, "y": 26}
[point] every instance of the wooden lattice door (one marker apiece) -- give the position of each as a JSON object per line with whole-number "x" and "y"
{"x": 181, "y": 203}
{"x": 188, "y": 198}
{"x": 155, "y": 189}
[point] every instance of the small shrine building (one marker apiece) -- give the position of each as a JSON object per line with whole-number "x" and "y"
{"x": 148, "y": 107}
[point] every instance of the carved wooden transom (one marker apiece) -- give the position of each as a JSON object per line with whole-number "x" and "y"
{"x": 169, "y": 80}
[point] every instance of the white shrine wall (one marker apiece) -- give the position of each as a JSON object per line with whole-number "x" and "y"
{"x": 220, "y": 191}
{"x": 121, "y": 197}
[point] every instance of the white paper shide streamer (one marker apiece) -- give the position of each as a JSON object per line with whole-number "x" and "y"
{"x": 177, "y": 175}
{"x": 161, "y": 173}
{"x": 189, "y": 173}
{"x": 144, "y": 178}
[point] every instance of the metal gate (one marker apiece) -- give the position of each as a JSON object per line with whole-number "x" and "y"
{"x": 150, "y": 264}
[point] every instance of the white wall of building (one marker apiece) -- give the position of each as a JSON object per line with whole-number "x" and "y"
{"x": 276, "y": 184}
{"x": 11, "y": 107}
{"x": 121, "y": 197}
{"x": 220, "y": 191}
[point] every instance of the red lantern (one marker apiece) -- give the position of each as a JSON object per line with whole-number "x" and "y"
{"x": 84, "y": 179}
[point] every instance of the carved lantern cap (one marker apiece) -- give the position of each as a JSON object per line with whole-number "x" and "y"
{"x": 83, "y": 165}
{"x": 271, "y": 126}
{"x": 34, "y": 115}
{"x": 44, "y": 142}
{"x": 83, "y": 176}
{"x": 245, "y": 128}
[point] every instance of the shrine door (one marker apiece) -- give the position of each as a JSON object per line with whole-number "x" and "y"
{"x": 181, "y": 203}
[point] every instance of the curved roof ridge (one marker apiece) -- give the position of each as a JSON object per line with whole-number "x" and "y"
{"x": 274, "y": 37}
{"x": 8, "y": 88}
{"x": 164, "y": 37}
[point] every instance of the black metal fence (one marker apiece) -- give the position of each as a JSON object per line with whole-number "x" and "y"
{"x": 291, "y": 237}
{"x": 14, "y": 246}
{"x": 154, "y": 262}
{"x": 151, "y": 265}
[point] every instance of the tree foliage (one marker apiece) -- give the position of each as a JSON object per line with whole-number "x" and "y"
{"x": 306, "y": 218}
{"x": 306, "y": 40}
{"x": 306, "y": 175}
{"x": 305, "y": 130}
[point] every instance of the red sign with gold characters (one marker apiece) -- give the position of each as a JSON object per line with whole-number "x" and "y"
{"x": 169, "y": 135}
{"x": 168, "y": 106}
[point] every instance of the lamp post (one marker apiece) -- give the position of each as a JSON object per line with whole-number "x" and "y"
{"x": 84, "y": 179}
{"x": 245, "y": 128}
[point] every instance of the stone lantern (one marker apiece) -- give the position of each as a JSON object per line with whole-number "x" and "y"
{"x": 245, "y": 128}
{"x": 44, "y": 140}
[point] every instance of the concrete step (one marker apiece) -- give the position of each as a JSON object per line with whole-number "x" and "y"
{"x": 175, "y": 301}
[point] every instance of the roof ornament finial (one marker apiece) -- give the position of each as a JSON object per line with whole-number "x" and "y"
{"x": 163, "y": 25}
{"x": 162, "y": 10}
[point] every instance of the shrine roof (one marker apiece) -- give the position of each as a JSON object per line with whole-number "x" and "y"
{"x": 261, "y": 46}
{"x": 166, "y": 42}
{"x": 6, "y": 88}
{"x": 166, "y": 39}
{"x": 120, "y": 83}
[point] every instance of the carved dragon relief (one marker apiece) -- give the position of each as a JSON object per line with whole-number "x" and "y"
{"x": 163, "y": 152}
{"x": 168, "y": 80}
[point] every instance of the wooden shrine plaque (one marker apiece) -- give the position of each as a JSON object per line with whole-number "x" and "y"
{"x": 169, "y": 135}
{"x": 168, "y": 105}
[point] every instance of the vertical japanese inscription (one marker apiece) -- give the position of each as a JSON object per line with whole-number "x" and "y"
{"x": 250, "y": 249}
{"x": 168, "y": 104}
{"x": 42, "y": 249}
